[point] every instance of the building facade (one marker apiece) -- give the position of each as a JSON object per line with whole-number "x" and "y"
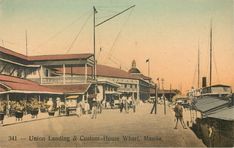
{"x": 73, "y": 74}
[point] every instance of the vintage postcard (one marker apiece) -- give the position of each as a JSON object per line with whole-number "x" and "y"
{"x": 116, "y": 73}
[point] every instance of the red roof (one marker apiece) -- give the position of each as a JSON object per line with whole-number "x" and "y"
{"x": 142, "y": 76}
{"x": 18, "y": 84}
{"x": 45, "y": 57}
{"x": 12, "y": 53}
{"x": 2, "y": 89}
{"x": 59, "y": 57}
{"x": 78, "y": 88}
{"x": 106, "y": 71}
{"x": 102, "y": 70}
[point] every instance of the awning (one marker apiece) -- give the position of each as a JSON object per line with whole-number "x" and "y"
{"x": 10, "y": 84}
{"x": 223, "y": 114}
{"x": 208, "y": 103}
{"x": 71, "y": 89}
{"x": 73, "y": 97}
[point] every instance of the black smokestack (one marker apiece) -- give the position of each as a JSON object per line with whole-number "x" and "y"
{"x": 204, "y": 82}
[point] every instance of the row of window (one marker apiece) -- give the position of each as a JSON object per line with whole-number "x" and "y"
{"x": 109, "y": 88}
{"x": 129, "y": 86}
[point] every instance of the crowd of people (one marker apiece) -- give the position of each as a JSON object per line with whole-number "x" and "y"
{"x": 126, "y": 103}
{"x": 54, "y": 107}
{"x": 92, "y": 107}
{"x": 19, "y": 108}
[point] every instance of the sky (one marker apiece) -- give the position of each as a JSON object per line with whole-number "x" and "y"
{"x": 168, "y": 32}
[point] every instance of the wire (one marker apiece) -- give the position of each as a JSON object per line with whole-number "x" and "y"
{"x": 62, "y": 30}
{"x": 114, "y": 60}
{"x": 78, "y": 34}
{"x": 116, "y": 38}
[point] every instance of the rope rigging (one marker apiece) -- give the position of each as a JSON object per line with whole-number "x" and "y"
{"x": 62, "y": 30}
{"x": 119, "y": 33}
{"x": 78, "y": 34}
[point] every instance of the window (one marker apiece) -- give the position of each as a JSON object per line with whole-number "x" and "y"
{"x": 47, "y": 72}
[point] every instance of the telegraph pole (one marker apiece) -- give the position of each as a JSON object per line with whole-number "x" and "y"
{"x": 164, "y": 99}
{"x": 154, "y": 108}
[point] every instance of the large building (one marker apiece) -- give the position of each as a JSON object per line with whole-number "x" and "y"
{"x": 72, "y": 74}
{"x": 131, "y": 83}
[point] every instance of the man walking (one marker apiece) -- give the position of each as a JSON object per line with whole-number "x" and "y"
{"x": 94, "y": 109}
{"x": 179, "y": 114}
{"x": 121, "y": 105}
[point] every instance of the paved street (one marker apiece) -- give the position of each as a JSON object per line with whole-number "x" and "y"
{"x": 111, "y": 128}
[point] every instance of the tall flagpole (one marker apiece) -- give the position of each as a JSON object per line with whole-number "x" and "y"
{"x": 211, "y": 53}
{"x": 148, "y": 68}
{"x": 148, "y": 61}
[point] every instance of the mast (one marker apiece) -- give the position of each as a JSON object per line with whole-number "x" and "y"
{"x": 211, "y": 53}
{"x": 198, "y": 67}
{"x": 94, "y": 43}
{"x": 94, "y": 29}
{"x": 26, "y": 42}
{"x": 98, "y": 24}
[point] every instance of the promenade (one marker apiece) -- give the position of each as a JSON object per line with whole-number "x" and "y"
{"x": 111, "y": 128}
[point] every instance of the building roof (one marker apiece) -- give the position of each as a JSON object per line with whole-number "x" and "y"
{"x": 145, "y": 77}
{"x": 208, "y": 103}
{"x": 2, "y": 89}
{"x": 226, "y": 113}
{"x": 45, "y": 57}
{"x": 14, "y": 84}
{"x": 71, "y": 89}
{"x": 108, "y": 83}
{"x": 12, "y": 53}
{"x": 217, "y": 85}
{"x": 102, "y": 70}
{"x": 134, "y": 70}
{"x": 59, "y": 57}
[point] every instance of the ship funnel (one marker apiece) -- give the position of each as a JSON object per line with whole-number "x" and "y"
{"x": 204, "y": 82}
